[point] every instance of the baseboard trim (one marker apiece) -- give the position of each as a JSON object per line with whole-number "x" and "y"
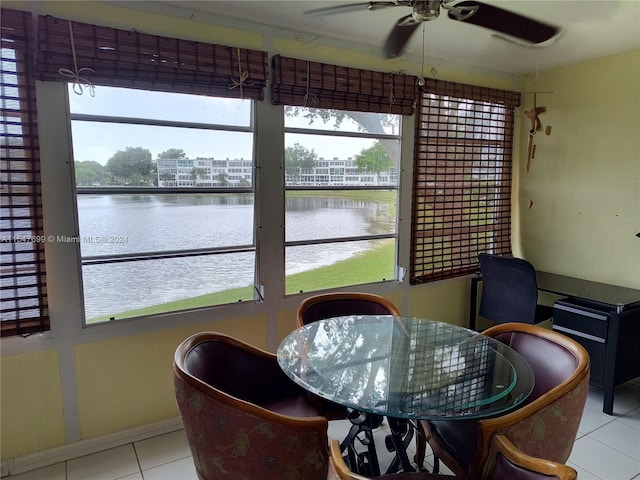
{"x": 14, "y": 466}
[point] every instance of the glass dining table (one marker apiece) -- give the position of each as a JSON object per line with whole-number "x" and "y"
{"x": 405, "y": 369}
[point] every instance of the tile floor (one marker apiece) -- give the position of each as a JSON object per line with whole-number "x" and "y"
{"x": 607, "y": 448}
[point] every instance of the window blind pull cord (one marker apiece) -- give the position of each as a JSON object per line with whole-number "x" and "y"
{"x": 242, "y": 78}
{"x": 392, "y": 98}
{"x": 309, "y": 95}
{"x": 78, "y": 80}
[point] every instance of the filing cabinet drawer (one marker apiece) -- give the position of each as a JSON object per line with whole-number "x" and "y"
{"x": 596, "y": 348}
{"x": 589, "y": 322}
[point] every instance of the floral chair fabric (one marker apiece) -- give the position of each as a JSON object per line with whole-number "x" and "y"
{"x": 550, "y": 432}
{"x": 233, "y": 439}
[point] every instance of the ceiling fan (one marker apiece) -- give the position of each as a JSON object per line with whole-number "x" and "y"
{"x": 512, "y": 26}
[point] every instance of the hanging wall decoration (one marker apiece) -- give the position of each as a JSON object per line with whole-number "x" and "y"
{"x": 536, "y": 126}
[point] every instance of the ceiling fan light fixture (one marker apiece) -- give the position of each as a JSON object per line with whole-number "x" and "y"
{"x": 426, "y": 11}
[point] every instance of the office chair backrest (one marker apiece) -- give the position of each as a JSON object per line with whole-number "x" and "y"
{"x": 243, "y": 417}
{"x": 509, "y": 289}
{"x": 319, "y": 307}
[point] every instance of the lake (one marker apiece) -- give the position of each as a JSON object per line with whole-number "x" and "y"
{"x": 124, "y": 224}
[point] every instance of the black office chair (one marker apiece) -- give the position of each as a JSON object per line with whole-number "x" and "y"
{"x": 509, "y": 291}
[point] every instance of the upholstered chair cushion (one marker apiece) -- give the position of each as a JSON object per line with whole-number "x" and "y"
{"x": 230, "y": 443}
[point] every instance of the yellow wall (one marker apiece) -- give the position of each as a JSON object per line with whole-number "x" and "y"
{"x": 126, "y": 382}
{"x": 584, "y": 181}
{"x": 445, "y": 301}
{"x": 31, "y": 412}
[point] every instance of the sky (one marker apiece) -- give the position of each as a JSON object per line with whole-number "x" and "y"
{"x": 98, "y": 141}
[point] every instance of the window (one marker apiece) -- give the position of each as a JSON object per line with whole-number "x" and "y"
{"x": 23, "y": 290}
{"x": 162, "y": 219}
{"x": 164, "y": 224}
{"x": 341, "y": 184}
{"x": 462, "y": 178}
{"x": 342, "y": 163}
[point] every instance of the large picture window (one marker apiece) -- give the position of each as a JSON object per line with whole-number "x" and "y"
{"x": 341, "y": 185}
{"x": 165, "y": 199}
{"x": 462, "y": 178}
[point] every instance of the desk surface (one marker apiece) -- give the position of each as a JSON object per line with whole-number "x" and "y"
{"x": 618, "y": 297}
{"x": 406, "y": 367}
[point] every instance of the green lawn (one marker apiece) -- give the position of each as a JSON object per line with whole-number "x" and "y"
{"x": 370, "y": 266}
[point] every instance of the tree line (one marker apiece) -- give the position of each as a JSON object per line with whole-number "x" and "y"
{"x": 131, "y": 166}
{"x": 135, "y": 165}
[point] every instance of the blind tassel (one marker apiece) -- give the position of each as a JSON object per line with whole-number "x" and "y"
{"x": 392, "y": 99}
{"x": 242, "y": 78}
{"x": 78, "y": 80}
{"x": 309, "y": 95}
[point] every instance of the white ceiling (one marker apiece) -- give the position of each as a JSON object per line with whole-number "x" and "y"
{"x": 590, "y": 29}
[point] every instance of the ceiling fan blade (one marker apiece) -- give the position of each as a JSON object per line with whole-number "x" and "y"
{"x": 399, "y": 36}
{"x": 352, "y": 7}
{"x": 506, "y": 22}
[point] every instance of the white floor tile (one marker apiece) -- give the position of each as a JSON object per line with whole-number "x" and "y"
{"x": 620, "y": 436}
{"x": 107, "y": 465}
{"x": 53, "y": 472}
{"x": 583, "y": 474}
{"x": 180, "y": 469}
{"x": 602, "y": 460}
{"x": 626, "y": 398}
{"x": 632, "y": 418}
{"x": 593, "y": 419}
{"x": 135, "y": 476}
{"x": 338, "y": 429}
{"x": 163, "y": 449}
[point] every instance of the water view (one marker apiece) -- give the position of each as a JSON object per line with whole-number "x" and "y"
{"x": 127, "y": 224}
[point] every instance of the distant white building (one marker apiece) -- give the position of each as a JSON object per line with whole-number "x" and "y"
{"x": 208, "y": 172}
{"x": 338, "y": 172}
{"x": 204, "y": 172}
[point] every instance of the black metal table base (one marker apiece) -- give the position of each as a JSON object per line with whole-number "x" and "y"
{"x": 364, "y": 461}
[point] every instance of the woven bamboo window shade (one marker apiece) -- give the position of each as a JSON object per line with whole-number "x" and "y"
{"x": 462, "y": 178}
{"x": 23, "y": 287}
{"x": 320, "y": 85}
{"x": 121, "y": 58}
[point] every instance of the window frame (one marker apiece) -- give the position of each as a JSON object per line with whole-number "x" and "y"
{"x": 355, "y": 238}
{"x": 158, "y": 190}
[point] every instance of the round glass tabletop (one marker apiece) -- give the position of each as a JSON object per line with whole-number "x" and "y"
{"x": 406, "y": 367}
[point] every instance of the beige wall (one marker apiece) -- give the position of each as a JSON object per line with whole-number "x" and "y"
{"x": 123, "y": 380}
{"x": 584, "y": 181}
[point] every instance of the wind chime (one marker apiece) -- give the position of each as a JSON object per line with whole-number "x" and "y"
{"x": 536, "y": 126}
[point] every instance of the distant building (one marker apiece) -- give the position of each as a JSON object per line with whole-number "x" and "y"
{"x": 340, "y": 172}
{"x": 208, "y": 172}
{"x": 204, "y": 172}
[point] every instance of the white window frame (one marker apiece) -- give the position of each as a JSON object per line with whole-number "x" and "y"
{"x": 164, "y": 254}
{"x": 330, "y": 164}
